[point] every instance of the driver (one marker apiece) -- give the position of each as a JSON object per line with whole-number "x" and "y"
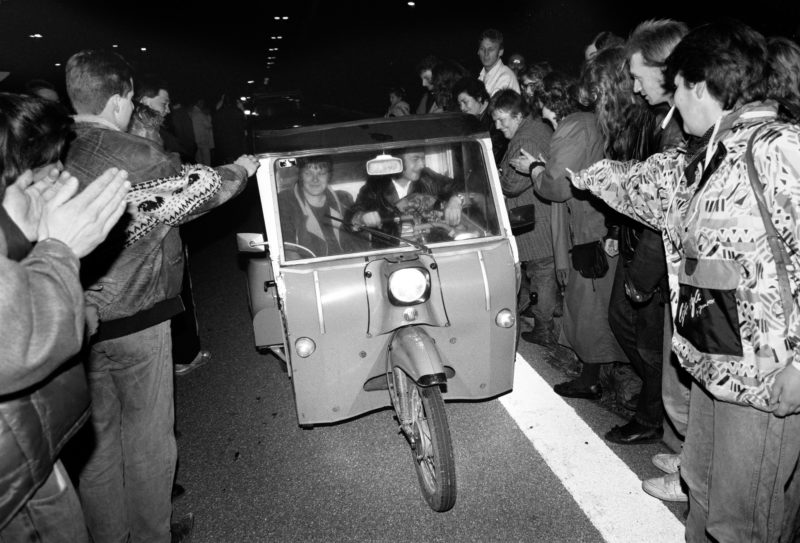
{"x": 306, "y": 208}
{"x": 376, "y": 203}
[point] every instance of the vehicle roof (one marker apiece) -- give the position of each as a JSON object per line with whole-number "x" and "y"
{"x": 417, "y": 128}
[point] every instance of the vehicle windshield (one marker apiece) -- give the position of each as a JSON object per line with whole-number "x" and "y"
{"x": 330, "y": 205}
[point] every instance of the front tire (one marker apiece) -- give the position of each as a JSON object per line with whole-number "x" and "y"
{"x": 433, "y": 453}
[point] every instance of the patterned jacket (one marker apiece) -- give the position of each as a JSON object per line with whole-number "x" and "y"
{"x": 730, "y": 330}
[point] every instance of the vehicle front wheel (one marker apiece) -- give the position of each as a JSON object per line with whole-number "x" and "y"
{"x": 433, "y": 448}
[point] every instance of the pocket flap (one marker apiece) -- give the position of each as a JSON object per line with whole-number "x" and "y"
{"x": 710, "y": 273}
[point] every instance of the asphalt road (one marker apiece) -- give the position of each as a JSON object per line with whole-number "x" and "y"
{"x": 253, "y": 475}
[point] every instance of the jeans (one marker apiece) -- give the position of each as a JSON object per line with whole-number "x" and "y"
{"x": 675, "y": 384}
{"x": 52, "y": 515}
{"x": 639, "y": 329}
{"x": 126, "y": 485}
{"x": 737, "y": 462}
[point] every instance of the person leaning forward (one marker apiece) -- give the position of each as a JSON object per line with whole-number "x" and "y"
{"x": 125, "y": 486}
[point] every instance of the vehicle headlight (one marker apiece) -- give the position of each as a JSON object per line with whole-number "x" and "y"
{"x": 305, "y": 347}
{"x": 505, "y": 318}
{"x": 409, "y": 286}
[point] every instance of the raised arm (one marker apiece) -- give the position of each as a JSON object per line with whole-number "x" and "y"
{"x": 640, "y": 190}
{"x": 572, "y": 147}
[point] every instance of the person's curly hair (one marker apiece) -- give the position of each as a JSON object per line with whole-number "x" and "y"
{"x": 559, "y": 94}
{"x": 536, "y": 72}
{"x": 445, "y": 75}
{"x": 606, "y": 86}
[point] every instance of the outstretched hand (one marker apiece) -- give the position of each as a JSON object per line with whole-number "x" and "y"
{"x": 83, "y": 220}
{"x": 249, "y": 163}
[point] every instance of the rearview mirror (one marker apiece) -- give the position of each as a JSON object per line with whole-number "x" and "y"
{"x": 384, "y": 165}
{"x": 250, "y": 243}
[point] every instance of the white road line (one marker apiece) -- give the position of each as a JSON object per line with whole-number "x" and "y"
{"x": 606, "y": 489}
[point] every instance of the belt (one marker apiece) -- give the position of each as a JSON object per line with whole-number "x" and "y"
{"x": 161, "y": 311}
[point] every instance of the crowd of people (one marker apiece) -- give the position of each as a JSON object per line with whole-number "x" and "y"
{"x": 664, "y": 179}
{"x": 89, "y": 300}
{"x": 654, "y": 251}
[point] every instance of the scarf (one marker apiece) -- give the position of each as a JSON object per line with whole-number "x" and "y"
{"x": 169, "y": 200}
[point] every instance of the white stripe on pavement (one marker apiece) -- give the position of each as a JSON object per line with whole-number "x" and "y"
{"x": 605, "y": 488}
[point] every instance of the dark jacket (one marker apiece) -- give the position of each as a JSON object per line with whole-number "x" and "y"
{"x": 641, "y": 247}
{"x": 378, "y": 194}
{"x": 144, "y": 279}
{"x": 295, "y": 224}
{"x": 533, "y": 135}
{"x": 43, "y": 399}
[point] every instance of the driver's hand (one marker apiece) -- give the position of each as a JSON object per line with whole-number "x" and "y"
{"x": 371, "y": 219}
{"x": 452, "y": 211}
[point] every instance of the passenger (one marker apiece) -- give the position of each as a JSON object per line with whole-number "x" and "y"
{"x": 45, "y": 227}
{"x": 376, "y": 203}
{"x": 305, "y": 209}
{"x": 735, "y": 319}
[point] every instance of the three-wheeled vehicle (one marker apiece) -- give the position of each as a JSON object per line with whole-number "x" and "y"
{"x": 418, "y": 308}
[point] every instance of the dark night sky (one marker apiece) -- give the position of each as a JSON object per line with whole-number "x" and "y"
{"x": 342, "y": 52}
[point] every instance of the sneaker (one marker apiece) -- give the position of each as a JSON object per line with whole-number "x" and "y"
{"x": 667, "y": 488}
{"x": 668, "y": 463}
{"x": 201, "y": 359}
{"x": 181, "y": 531}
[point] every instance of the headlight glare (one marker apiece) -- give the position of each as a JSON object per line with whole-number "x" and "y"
{"x": 304, "y": 347}
{"x": 505, "y": 318}
{"x": 408, "y": 286}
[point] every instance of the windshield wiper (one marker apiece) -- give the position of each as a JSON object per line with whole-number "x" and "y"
{"x": 381, "y": 234}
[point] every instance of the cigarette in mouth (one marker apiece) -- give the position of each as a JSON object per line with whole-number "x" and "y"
{"x": 668, "y": 118}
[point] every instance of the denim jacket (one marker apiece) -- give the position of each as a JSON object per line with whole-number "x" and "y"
{"x": 123, "y": 281}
